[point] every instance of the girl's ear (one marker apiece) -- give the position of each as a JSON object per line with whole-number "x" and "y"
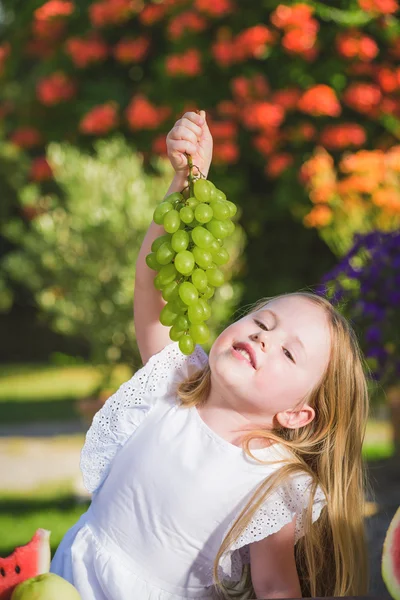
{"x": 293, "y": 419}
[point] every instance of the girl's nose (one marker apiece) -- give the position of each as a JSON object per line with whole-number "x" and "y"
{"x": 259, "y": 337}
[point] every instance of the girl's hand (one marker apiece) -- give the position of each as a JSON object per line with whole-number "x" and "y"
{"x": 190, "y": 134}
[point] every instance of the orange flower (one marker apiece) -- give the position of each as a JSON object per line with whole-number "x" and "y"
{"x": 26, "y": 137}
{"x": 319, "y": 216}
{"x": 337, "y": 137}
{"x": 159, "y": 145}
{"x": 54, "y": 89}
{"x": 214, "y": 8}
{"x": 226, "y": 108}
{"x": 141, "y": 114}
{"x": 54, "y": 9}
{"x": 278, "y": 163}
{"x": 318, "y": 167}
{"x": 298, "y": 40}
{"x": 288, "y": 98}
{"x": 384, "y": 7}
{"x": 389, "y": 79}
{"x": 50, "y": 31}
{"x": 85, "y": 52}
{"x": 100, "y": 120}
{"x": 223, "y": 129}
{"x": 359, "y": 184}
{"x": 188, "y": 21}
{"x": 186, "y": 64}
{"x": 363, "y": 97}
{"x": 224, "y": 52}
{"x": 40, "y": 169}
{"x": 393, "y": 159}
{"x": 113, "y": 12}
{"x": 131, "y": 50}
{"x": 290, "y": 16}
{"x": 265, "y": 144}
{"x": 225, "y": 151}
{"x": 253, "y": 42}
{"x": 369, "y": 161}
{"x": 152, "y": 13}
{"x": 320, "y": 100}
{"x": 387, "y": 198}
{"x": 241, "y": 87}
{"x": 263, "y": 115}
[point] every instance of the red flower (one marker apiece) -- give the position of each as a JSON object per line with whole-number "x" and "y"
{"x": 278, "y": 163}
{"x": 26, "y": 137}
{"x": 224, "y": 52}
{"x": 40, "y": 169}
{"x": 226, "y": 108}
{"x": 223, "y": 129}
{"x": 384, "y": 7}
{"x": 188, "y": 21}
{"x": 353, "y": 44}
{"x": 187, "y": 64}
{"x": 253, "y": 42}
{"x": 337, "y": 137}
{"x": 214, "y": 8}
{"x": 141, "y": 114}
{"x": 291, "y": 16}
{"x": 263, "y": 115}
{"x": 287, "y": 98}
{"x": 152, "y": 13}
{"x": 54, "y": 9}
{"x": 100, "y": 120}
{"x": 265, "y": 144}
{"x": 85, "y": 52}
{"x": 320, "y": 100}
{"x": 131, "y": 50}
{"x": 4, "y": 53}
{"x": 388, "y": 79}
{"x": 159, "y": 145}
{"x": 112, "y": 12}
{"x": 298, "y": 40}
{"x": 55, "y": 89}
{"x": 363, "y": 97}
{"x": 225, "y": 151}
{"x": 50, "y": 31}
{"x": 241, "y": 87}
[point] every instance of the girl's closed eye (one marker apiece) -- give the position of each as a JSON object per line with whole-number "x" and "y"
{"x": 285, "y": 350}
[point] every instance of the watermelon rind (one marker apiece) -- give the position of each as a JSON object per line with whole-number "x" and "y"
{"x": 388, "y": 574}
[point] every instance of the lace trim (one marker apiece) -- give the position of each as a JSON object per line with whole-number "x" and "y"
{"x": 125, "y": 410}
{"x": 279, "y": 510}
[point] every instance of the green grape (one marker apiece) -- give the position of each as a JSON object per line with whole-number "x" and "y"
{"x": 167, "y": 274}
{"x": 199, "y": 333}
{"x": 220, "y": 210}
{"x": 201, "y": 237}
{"x": 186, "y": 214}
{"x": 152, "y": 262}
{"x": 208, "y": 292}
{"x": 192, "y": 202}
{"x": 188, "y": 293}
{"x": 167, "y": 316}
{"x": 158, "y": 283}
{"x": 203, "y": 213}
{"x": 194, "y": 223}
{"x": 174, "y": 197}
{"x": 215, "y": 277}
{"x": 172, "y": 221}
{"x": 202, "y": 257}
{"x": 178, "y": 306}
{"x": 230, "y": 226}
{"x": 196, "y": 313}
{"x": 213, "y": 191}
{"x": 160, "y": 211}
{"x": 180, "y": 240}
{"x": 160, "y": 241}
{"x": 165, "y": 254}
{"x": 182, "y": 323}
{"x": 184, "y": 262}
{"x": 179, "y": 205}
{"x": 175, "y": 333}
{"x": 202, "y": 190}
{"x": 199, "y": 279}
{"x": 220, "y": 257}
{"x": 220, "y": 195}
{"x": 170, "y": 291}
{"x": 217, "y": 228}
{"x": 232, "y": 208}
{"x": 214, "y": 246}
{"x": 186, "y": 344}
{"x": 206, "y": 308}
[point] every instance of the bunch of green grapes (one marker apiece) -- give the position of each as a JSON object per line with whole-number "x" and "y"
{"x": 188, "y": 256}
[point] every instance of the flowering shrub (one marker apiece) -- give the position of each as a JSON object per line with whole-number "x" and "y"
{"x": 361, "y": 195}
{"x": 367, "y": 282}
{"x": 280, "y": 80}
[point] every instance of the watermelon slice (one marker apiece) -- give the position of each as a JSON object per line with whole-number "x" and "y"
{"x": 25, "y": 562}
{"x": 391, "y": 557}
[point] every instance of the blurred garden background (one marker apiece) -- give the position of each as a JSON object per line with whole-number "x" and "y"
{"x": 303, "y": 101}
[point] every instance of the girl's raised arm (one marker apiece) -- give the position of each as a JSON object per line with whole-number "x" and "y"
{"x": 190, "y": 135}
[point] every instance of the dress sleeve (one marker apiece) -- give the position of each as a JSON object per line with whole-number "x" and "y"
{"x": 287, "y": 502}
{"x": 125, "y": 410}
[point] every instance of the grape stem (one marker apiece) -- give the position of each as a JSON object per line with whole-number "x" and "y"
{"x": 191, "y": 178}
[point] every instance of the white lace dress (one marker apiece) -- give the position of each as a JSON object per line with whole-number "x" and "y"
{"x": 166, "y": 489}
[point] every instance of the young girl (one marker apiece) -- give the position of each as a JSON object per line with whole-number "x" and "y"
{"x": 237, "y": 474}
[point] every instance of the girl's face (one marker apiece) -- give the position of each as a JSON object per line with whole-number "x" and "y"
{"x": 289, "y": 340}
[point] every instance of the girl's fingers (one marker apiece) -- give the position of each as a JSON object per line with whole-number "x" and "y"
{"x": 182, "y": 132}
{"x": 182, "y": 146}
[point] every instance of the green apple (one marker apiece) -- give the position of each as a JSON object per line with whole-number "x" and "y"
{"x": 45, "y": 587}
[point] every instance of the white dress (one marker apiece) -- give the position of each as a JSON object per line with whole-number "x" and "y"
{"x": 166, "y": 489}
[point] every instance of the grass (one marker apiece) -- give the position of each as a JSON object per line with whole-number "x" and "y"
{"x": 49, "y": 393}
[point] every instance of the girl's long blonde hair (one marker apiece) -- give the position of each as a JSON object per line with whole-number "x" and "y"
{"x": 332, "y": 557}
